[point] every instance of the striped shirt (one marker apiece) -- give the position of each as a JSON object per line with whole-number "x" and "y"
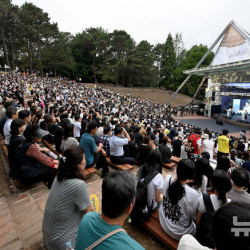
{"x": 63, "y": 212}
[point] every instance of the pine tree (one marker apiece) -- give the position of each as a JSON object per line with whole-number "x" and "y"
{"x": 168, "y": 62}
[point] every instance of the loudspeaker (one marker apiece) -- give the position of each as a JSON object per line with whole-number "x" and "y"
{"x": 219, "y": 120}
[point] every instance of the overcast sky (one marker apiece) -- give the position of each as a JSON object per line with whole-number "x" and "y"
{"x": 199, "y": 21}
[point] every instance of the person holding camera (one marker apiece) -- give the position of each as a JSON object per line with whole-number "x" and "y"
{"x": 116, "y": 144}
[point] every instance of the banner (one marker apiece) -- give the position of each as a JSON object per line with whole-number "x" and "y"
{"x": 233, "y": 48}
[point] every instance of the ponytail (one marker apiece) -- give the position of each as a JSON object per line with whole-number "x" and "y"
{"x": 176, "y": 192}
{"x": 68, "y": 167}
{"x": 185, "y": 170}
{"x": 233, "y": 158}
{"x": 221, "y": 182}
{"x": 222, "y": 196}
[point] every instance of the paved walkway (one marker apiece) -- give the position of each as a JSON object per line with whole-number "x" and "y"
{"x": 21, "y": 213}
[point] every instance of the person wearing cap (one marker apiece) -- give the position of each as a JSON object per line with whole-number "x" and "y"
{"x": 32, "y": 165}
{"x": 207, "y": 145}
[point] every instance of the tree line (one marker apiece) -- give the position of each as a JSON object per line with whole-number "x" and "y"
{"x": 29, "y": 40}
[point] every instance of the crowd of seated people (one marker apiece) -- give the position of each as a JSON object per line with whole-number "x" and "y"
{"x": 88, "y": 124}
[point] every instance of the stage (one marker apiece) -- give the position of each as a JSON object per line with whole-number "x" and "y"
{"x": 204, "y": 122}
{"x": 237, "y": 121}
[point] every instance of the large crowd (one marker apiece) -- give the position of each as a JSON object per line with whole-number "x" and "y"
{"x": 196, "y": 205}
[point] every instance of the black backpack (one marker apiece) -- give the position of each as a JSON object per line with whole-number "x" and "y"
{"x": 204, "y": 232}
{"x": 138, "y": 217}
{"x": 189, "y": 147}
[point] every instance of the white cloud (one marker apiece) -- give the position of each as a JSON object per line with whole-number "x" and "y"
{"x": 199, "y": 21}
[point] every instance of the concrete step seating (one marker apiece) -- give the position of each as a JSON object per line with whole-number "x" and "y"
{"x": 175, "y": 159}
{"x": 123, "y": 167}
{"x": 138, "y": 163}
{"x": 169, "y": 165}
{"x": 154, "y": 227}
{"x": 165, "y": 165}
{"x": 87, "y": 172}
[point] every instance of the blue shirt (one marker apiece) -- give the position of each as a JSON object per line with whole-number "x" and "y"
{"x": 171, "y": 133}
{"x": 87, "y": 142}
{"x": 246, "y": 165}
{"x": 92, "y": 228}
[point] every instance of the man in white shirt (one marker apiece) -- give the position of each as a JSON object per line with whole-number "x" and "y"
{"x": 77, "y": 125}
{"x": 207, "y": 145}
{"x": 11, "y": 113}
{"x": 116, "y": 144}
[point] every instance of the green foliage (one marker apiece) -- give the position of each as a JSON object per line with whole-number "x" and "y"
{"x": 192, "y": 57}
{"x": 29, "y": 40}
{"x": 168, "y": 62}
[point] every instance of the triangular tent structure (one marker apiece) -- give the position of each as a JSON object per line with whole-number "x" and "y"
{"x": 234, "y": 47}
{"x": 233, "y": 54}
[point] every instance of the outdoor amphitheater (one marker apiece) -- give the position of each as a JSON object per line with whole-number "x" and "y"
{"x": 118, "y": 135}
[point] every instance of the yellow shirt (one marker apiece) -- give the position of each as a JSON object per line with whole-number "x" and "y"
{"x": 223, "y": 144}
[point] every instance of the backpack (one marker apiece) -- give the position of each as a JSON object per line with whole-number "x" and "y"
{"x": 138, "y": 216}
{"x": 190, "y": 148}
{"x": 204, "y": 232}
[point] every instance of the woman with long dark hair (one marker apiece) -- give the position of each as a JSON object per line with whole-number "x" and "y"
{"x": 17, "y": 128}
{"x": 223, "y": 163}
{"x": 180, "y": 202}
{"x": 234, "y": 157}
{"x": 59, "y": 134}
{"x": 144, "y": 149}
{"x": 153, "y": 166}
{"x": 84, "y": 125}
{"x": 68, "y": 201}
{"x": 221, "y": 184}
{"x": 202, "y": 176}
{"x": 68, "y": 139}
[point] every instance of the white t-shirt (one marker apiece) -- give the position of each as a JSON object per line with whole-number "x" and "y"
{"x": 99, "y": 131}
{"x": 215, "y": 201}
{"x": 156, "y": 183}
{"x": 77, "y": 126}
{"x": 188, "y": 242}
{"x": 178, "y": 220}
{"x": 208, "y": 147}
{"x": 201, "y": 189}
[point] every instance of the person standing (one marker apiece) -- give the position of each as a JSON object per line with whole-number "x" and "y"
{"x": 223, "y": 144}
{"x": 172, "y": 132}
{"x": 195, "y": 140}
{"x": 177, "y": 146}
{"x": 208, "y": 145}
